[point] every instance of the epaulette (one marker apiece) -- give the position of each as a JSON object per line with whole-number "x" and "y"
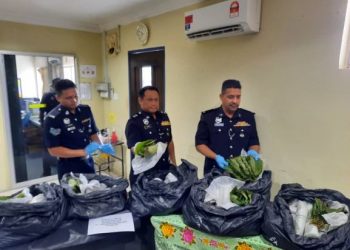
{"x": 246, "y": 112}
{"x": 209, "y": 111}
{"x": 136, "y": 115}
{"x": 55, "y": 112}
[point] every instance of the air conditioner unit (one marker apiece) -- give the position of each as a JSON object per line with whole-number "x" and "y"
{"x": 228, "y": 18}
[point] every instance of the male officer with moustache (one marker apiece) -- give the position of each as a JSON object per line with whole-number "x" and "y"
{"x": 71, "y": 133}
{"x": 223, "y": 132}
{"x": 150, "y": 123}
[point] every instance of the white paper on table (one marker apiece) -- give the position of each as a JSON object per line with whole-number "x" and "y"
{"x": 121, "y": 222}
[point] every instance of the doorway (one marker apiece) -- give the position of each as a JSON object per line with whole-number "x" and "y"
{"x": 27, "y": 78}
{"x": 146, "y": 68}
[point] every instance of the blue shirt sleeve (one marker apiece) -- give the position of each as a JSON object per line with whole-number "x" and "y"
{"x": 253, "y": 139}
{"x": 94, "y": 128}
{"x": 132, "y": 133}
{"x": 52, "y": 132}
{"x": 202, "y": 134}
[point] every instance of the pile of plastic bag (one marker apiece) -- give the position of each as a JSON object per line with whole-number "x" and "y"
{"x": 222, "y": 217}
{"x": 31, "y": 213}
{"x": 287, "y": 221}
{"x": 94, "y": 195}
{"x": 162, "y": 192}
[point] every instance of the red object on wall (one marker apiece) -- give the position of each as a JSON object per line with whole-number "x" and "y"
{"x": 234, "y": 9}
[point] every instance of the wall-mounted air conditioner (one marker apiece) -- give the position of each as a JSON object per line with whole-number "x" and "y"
{"x": 228, "y": 18}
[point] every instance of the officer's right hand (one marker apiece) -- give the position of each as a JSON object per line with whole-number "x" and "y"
{"x": 222, "y": 163}
{"x": 91, "y": 148}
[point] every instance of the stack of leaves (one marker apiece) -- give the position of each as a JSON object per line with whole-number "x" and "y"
{"x": 244, "y": 168}
{"x": 74, "y": 184}
{"x": 318, "y": 209}
{"x": 241, "y": 197}
{"x": 5, "y": 198}
{"x": 146, "y": 148}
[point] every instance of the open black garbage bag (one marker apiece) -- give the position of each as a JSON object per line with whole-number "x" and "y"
{"x": 278, "y": 225}
{"x": 21, "y": 223}
{"x": 236, "y": 221}
{"x": 96, "y": 203}
{"x": 153, "y": 197}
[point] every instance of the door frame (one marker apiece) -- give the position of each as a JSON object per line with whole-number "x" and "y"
{"x": 6, "y": 121}
{"x": 141, "y": 51}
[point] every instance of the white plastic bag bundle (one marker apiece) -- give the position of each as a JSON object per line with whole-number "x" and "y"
{"x": 219, "y": 191}
{"x": 90, "y": 186}
{"x": 142, "y": 164}
{"x": 301, "y": 214}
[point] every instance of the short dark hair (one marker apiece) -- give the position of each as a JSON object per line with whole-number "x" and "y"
{"x": 63, "y": 85}
{"x": 54, "y": 81}
{"x": 230, "y": 84}
{"x": 144, "y": 89}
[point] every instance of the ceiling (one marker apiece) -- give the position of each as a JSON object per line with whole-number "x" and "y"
{"x": 88, "y": 15}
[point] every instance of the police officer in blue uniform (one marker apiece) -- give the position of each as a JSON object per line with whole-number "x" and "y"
{"x": 150, "y": 123}
{"x": 223, "y": 132}
{"x": 70, "y": 132}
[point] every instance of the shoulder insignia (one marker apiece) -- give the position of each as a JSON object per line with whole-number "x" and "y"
{"x": 209, "y": 111}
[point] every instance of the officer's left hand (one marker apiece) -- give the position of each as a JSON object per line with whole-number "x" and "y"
{"x": 253, "y": 154}
{"x": 91, "y": 148}
{"x": 108, "y": 149}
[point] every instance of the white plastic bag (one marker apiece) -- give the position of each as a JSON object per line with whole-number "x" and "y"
{"x": 142, "y": 164}
{"x": 300, "y": 211}
{"x": 219, "y": 191}
{"x": 170, "y": 178}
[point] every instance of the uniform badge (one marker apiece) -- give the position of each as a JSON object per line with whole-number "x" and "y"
{"x": 55, "y": 131}
{"x": 218, "y": 122}
{"x": 145, "y": 121}
{"x": 242, "y": 124}
{"x": 70, "y": 128}
{"x": 85, "y": 120}
{"x": 66, "y": 121}
{"x": 165, "y": 123}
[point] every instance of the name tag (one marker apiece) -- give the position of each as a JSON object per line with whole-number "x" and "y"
{"x": 85, "y": 120}
{"x": 165, "y": 123}
{"x": 70, "y": 128}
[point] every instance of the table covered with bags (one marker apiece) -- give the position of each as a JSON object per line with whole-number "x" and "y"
{"x": 172, "y": 233}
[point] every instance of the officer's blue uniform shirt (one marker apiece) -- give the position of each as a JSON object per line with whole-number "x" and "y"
{"x": 226, "y": 136}
{"x": 62, "y": 128}
{"x": 142, "y": 126}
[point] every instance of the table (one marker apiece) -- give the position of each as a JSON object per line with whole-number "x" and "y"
{"x": 172, "y": 233}
{"x": 104, "y": 161}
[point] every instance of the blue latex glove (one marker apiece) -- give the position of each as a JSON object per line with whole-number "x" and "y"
{"x": 91, "y": 148}
{"x": 108, "y": 149}
{"x": 222, "y": 163}
{"x": 253, "y": 154}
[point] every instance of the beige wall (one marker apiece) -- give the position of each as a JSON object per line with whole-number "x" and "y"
{"x": 29, "y": 38}
{"x": 290, "y": 77}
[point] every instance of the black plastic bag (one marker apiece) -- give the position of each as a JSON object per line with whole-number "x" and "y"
{"x": 153, "y": 197}
{"x": 278, "y": 225}
{"x": 261, "y": 186}
{"x": 21, "y": 223}
{"x": 97, "y": 203}
{"x": 236, "y": 221}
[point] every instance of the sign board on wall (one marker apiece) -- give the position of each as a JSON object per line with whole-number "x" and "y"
{"x": 88, "y": 71}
